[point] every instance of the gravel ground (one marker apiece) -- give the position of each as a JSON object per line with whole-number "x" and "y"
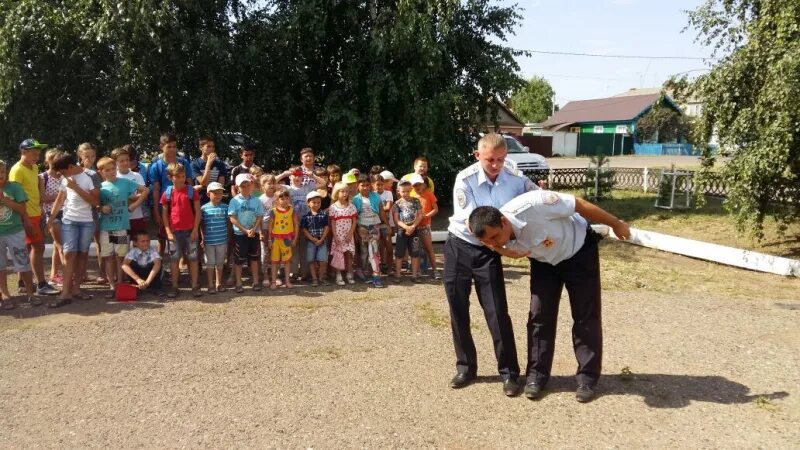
{"x": 354, "y": 367}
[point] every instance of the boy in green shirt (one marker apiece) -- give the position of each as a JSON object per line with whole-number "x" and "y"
{"x": 12, "y": 238}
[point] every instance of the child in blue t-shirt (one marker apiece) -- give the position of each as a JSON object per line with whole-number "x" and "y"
{"x": 215, "y": 236}
{"x": 115, "y": 207}
{"x": 246, "y": 213}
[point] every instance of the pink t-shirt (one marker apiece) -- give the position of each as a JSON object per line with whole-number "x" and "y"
{"x": 181, "y": 217}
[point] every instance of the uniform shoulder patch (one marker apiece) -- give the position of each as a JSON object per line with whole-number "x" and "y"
{"x": 550, "y": 198}
{"x": 461, "y": 198}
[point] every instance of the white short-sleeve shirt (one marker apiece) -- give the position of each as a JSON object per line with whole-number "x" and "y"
{"x": 546, "y": 225}
{"x": 75, "y": 207}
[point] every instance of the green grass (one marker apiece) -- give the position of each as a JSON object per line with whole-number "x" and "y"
{"x": 709, "y": 223}
{"x": 328, "y": 353}
{"x": 428, "y": 314}
{"x": 764, "y": 403}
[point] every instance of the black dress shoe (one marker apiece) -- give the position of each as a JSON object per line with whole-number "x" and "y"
{"x": 533, "y": 390}
{"x": 584, "y": 394}
{"x": 511, "y": 387}
{"x": 462, "y": 380}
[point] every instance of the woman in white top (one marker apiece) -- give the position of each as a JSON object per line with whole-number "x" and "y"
{"x": 79, "y": 197}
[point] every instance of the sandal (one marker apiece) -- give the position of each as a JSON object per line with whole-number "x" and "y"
{"x": 110, "y": 295}
{"x": 256, "y": 287}
{"x": 415, "y": 279}
{"x": 196, "y": 292}
{"x": 59, "y": 302}
{"x": 221, "y": 288}
{"x": 7, "y": 304}
{"x": 273, "y": 286}
{"x": 239, "y": 289}
{"x": 35, "y": 301}
{"x": 172, "y": 293}
{"x": 80, "y": 295}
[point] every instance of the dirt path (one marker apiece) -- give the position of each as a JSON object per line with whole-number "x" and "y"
{"x": 334, "y": 368}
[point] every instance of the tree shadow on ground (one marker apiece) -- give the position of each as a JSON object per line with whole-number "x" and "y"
{"x": 669, "y": 391}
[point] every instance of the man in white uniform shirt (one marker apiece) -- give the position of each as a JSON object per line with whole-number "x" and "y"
{"x": 550, "y": 227}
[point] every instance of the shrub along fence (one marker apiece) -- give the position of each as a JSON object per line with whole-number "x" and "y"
{"x": 643, "y": 179}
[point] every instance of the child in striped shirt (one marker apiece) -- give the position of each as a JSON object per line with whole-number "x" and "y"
{"x": 215, "y": 236}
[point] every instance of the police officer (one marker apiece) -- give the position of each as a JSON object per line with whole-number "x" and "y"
{"x": 552, "y": 227}
{"x": 487, "y": 182}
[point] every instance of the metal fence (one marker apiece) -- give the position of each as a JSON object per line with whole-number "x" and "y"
{"x": 643, "y": 179}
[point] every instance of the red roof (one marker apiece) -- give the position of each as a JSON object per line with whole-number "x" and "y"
{"x": 602, "y": 110}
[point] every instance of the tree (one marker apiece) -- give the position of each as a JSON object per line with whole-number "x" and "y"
{"x": 375, "y": 82}
{"x": 662, "y": 124}
{"x": 751, "y": 103}
{"x": 533, "y": 102}
{"x": 113, "y": 72}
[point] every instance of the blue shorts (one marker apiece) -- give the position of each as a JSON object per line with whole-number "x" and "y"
{"x": 76, "y": 236}
{"x": 316, "y": 253}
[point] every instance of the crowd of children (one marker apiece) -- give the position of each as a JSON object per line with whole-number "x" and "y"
{"x": 325, "y": 225}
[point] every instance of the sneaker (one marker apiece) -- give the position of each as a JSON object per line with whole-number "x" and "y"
{"x": 44, "y": 288}
{"x": 325, "y": 282}
{"x": 34, "y": 300}
{"x": 376, "y": 282}
{"x": 339, "y": 280}
{"x": 314, "y": 283}
{"x": 21, "y": 287}
{"x": 58, "y": 280}
{"x": 437, "y": 275}
{"x": 350, "y": 278}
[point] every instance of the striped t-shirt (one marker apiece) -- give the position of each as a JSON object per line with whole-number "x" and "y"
{"x": 215, "y": 223}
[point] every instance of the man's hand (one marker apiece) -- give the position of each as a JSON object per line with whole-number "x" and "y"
{"x": 622, "y": 230}
{"x": 507, "y": 251}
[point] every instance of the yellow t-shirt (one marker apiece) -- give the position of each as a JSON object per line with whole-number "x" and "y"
{"x": 28, "y": 177}
{"x": 413, "y": 192}
{"x": 283, "y": 223}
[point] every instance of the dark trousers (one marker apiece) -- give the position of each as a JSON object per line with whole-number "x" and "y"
{"x": 463, "y": 264}
{"x": 143, "y": 272}
{"x": 581, "y": 275}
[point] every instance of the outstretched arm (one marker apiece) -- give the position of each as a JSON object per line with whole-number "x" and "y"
{"x": 594, "y": 213}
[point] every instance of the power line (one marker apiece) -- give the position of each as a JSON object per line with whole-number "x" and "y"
{"x": 598, "y": 55}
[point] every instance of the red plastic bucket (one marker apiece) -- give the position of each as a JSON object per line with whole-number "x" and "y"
{"x": 126, "y": 292}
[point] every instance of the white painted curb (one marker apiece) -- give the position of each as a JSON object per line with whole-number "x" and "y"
{"x": 721, "y": 254}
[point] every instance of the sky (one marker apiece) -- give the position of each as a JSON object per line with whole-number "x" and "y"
{"x": 611, "y": 27}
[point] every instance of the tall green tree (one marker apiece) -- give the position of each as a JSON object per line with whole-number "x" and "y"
{"x": 362, "y": 82}
{"x": 751, "y": 103}
{"x": 533, "y": 102}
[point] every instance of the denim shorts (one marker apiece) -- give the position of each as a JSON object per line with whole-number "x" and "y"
{"x": 316, "y": 253}
{"x": 76, "y": 236}
{"x": 182, "y": 246}
{"x": 405, "y": 242}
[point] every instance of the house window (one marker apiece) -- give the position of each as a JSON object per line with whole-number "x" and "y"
{"x": 621, "y": 129}
{"x": 598, "y": 129}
